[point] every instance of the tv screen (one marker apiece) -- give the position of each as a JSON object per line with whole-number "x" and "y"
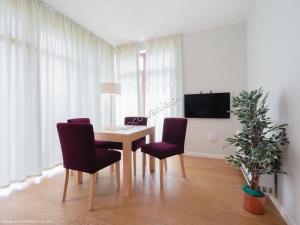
{"x": 212, "y": 105}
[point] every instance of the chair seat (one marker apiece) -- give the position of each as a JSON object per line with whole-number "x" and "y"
{"x": 162, "y": 150}
{"x": 105, "y": 158}
{"x": 102, "y": 144}
{"x": 116, "y": 145}
{"x": 134, "y": 146}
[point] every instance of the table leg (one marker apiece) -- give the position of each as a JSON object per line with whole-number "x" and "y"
{"x": 127, "y": 173}
{"x": 79, "y": 174}
{"x": 152, "y": 159}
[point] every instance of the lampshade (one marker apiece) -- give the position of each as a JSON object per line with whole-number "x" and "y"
{"x": 110, "y": 88}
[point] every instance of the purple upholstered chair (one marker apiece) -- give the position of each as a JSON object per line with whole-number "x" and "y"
{"x": 99, "y": 144}
{"x": 132, "y": 121}
{"x": 80, "y": 153}
{"x": 172, "y": 144}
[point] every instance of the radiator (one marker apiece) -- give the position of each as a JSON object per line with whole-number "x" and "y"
{"x": 266, "y": 182}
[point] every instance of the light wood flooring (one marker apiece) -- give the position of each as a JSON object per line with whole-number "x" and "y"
{"x": 209, "y": 195}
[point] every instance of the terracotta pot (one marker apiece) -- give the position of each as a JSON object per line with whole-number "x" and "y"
{"x": 255, "y": 205}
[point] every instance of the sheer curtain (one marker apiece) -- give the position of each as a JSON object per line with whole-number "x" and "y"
{"x": 72, "y": 63}
{"x": 127, "y": 73}
{"x": 50, "y": 70}
{"x": 163, "y": 80}
{"x": 20, "y": 124}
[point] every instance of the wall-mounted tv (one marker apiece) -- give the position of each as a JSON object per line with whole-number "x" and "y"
{"x": 211, "y": 105}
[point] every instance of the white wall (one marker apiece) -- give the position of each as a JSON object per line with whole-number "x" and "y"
{"x": 273, "y": 53}
{"x": 213, "y": 60}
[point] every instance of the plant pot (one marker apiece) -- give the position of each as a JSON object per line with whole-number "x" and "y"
{"x": 254, "y": 204}
{"x": 254, "y": 200}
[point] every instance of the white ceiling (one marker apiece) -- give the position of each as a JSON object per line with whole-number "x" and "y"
{"x": 121, "y": 21}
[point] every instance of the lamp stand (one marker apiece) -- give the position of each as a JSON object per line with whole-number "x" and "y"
{"x": 111, "y": 111}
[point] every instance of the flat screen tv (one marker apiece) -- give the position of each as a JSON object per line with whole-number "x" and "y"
{"x": 212, "y": 105}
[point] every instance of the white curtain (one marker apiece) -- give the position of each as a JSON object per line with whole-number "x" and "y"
{"x": 163, "y": 80}
{"x": 50, "y": 70}
{"x": 127, "y": 73}
{"x": 20, "y": 124}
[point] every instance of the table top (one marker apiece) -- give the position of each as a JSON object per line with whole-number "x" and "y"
{"x": 122, "y": 130}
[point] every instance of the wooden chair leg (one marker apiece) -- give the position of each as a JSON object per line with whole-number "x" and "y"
{"x": 151, "y": 163}
{"x": 91, "y": 192}
{"x": 134, "y": 163}
{"x": 79, "y": 177}
{"x": 97, "y": 175}
{"x": 144, "y": 164}
{"x": 161, "y": 169}
{"x": 166, "y": 165}
{"x": 112, "y": 168}
{"x": 66, "y": 185}
{"x": 118, "y": 174}
{"x": 182, "y": 165}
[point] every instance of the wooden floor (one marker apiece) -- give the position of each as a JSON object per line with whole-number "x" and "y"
{"x": 210, "y": 195}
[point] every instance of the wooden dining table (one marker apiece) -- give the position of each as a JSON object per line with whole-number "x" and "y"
{"x": 126, "y": 135}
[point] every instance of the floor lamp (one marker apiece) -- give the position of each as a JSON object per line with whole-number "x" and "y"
{"x": 111, "y": 88}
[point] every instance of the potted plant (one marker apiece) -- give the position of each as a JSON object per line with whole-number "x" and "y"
{"x": 259, "y": 145}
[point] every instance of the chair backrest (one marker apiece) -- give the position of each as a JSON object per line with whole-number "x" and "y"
{"x": 174, "y": 131}
{"x": 80, "y": 120}
{"x": 78, "y": 146}
{"x": 135, "y": 121}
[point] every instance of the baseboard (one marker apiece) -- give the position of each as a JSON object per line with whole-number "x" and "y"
{"x": 245, "y": 176}
{"x": 204, "y": 155}
{"x": 283, "y": 212}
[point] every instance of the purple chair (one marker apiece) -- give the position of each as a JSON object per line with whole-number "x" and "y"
{"x": 172, "y": 144}
{"x": 80, "y": 153}
{"x": 99, "y": 144}
{"x": 132, "y": 121}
